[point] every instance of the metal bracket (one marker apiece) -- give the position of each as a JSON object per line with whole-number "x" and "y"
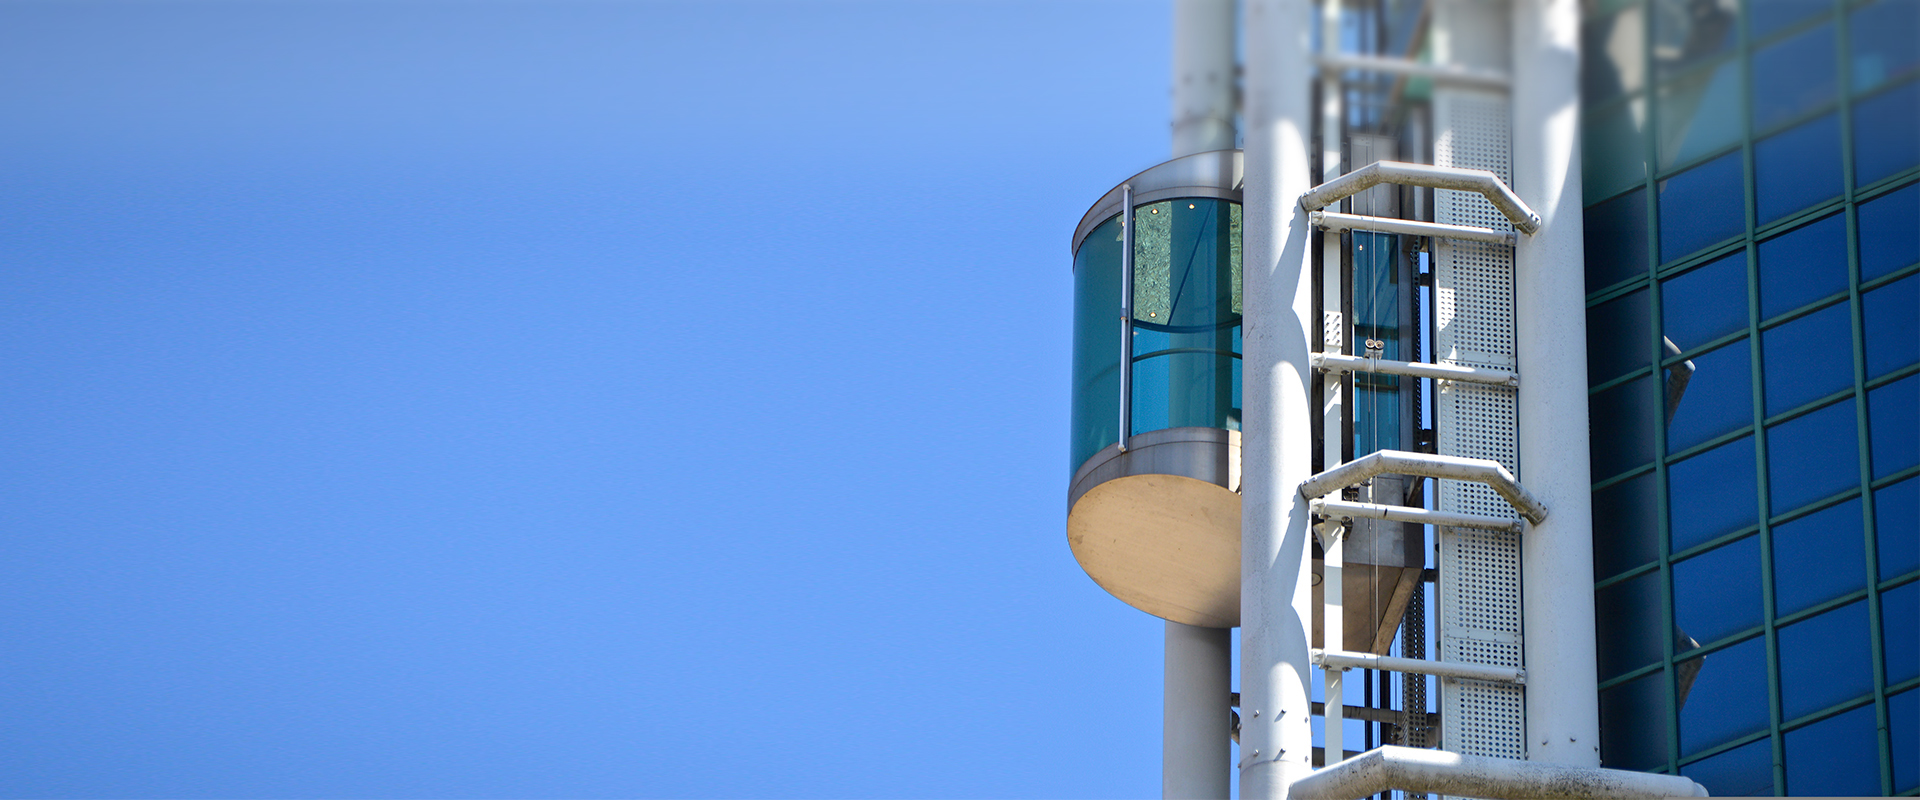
{"x": 1455, "y": 178}
{"x": 1384, "y": 462}
{"x": 1342, "y": 659}
{"x": 1336, "y": 221}
{"x": 1346, "y": 511}
{"x": 1335, "y": 362}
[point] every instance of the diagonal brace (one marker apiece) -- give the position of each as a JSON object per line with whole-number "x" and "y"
{"x": 1385, "y": 462}
{"x": 1455, "y": 178}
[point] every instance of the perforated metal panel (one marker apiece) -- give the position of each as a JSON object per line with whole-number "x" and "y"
{"x": 1479, "y": 591}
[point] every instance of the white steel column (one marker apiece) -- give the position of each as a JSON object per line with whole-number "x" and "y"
{"x": 1333, "y": 335}
{"x": 1196, "y": 754}
{"x": 1276, "y": 738}
{"x": 1563, "y": 724}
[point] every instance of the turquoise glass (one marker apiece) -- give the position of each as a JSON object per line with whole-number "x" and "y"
{"x": 1186, "y": 321}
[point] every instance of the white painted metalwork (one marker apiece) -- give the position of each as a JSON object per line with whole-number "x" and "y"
{"x": 1346, "y": 510}
{"x": 1333, "y": 362}
{"x": 1482, "y": 471}
{"x": 1335, "y": 221}
{"x": 1479, "y": 672}
{"x": 1484, "y": 182}
{"x": 1414, "y": 769}
{"x": 1438, "y": 73}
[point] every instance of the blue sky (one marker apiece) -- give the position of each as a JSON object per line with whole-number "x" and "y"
{"x": 559, "y": 399}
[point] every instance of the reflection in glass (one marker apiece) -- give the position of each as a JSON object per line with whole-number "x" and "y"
{"x": 1614, "y": 149}
{"x": 1706, "y": 302}
{"x": 1619, "y": 337}
{"x": 1711, "y": 494}
{"x": 1900, "y": 632}
{"x": 1096, "y": 343}
{"x": 1616, "y": 240}
{"x": 1808, "y": 358}
{"x": 1744, "y": 771}
{"x": 1718, "y": 398}
{"x": 1812, "y": 457}
{"x": 1728, "y": 698}
{"x": 1626, "y": 526}
{"x": 1803, "y": 265}
{"x": 1797, "y": 167}
{"x": 1628, "y": 623}
{"x": 1835, "y": 757}
{"x": 1612, "y": 50}
{"x": 1888, "y": 238}
{"x": 1699, "y": 113}
{"x": 1633, "y": 723}
{"x": 1893, "y": 417}
{"x": 1903, "y": 711}
{"x": 1622, "y": 420}
{"x": 1689, "y": 32}
{"x": 1819, "y": 557}
{"x": 1701, "y": 206}
{"x": 1881, "y": 42}
{"x": 1184, "y": 313}
{"x": 1824, "y": 661}
{"x": 1717, "y": 593}
{"x": 1793, "y": 77}
{"x": 1896, "y": 524}
{"x": 1886, "y": 133}
{"x": 1892, "y": 317}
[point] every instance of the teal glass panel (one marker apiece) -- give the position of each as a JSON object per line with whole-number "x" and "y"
{"x": 1886, "y": 133}
{"x": 1892, "y": 324}
{"x": 1893, "y": 419}
{"x": 1717, "y": 593}
{"x": 1797, "y": 168}
{"x": 1706, "y": 302}
{"x": 1718, "y": 399}
{"x": 1699, "y": 113}
{"x": 1727, "y": 697}
{"x": 1185, "y": 314}
{"x": 1903, "y": 710}
{"x": 1813, "y": 456}
{"x": 1613, "y": 53}
{"x": 1794, "y": 76}
{"x": 1633, "y": 724}
{"x": 1626, "y": 526}
{"x": 1622, "y": 420}
{"x": 1614, "y": 154}
{"x": 1744, "y": 771}
{"x": 1881, "y": 46}
{"x": 1712, "y": 494}
{"x": 1766, "y": 17}
{"x": 1805, "y": 264}
{"x": 1702, "y": 206}
{"x": 1889, "y": 237}
{"x": 1376, "y": 315}
{"x": 1629, "y": 623}
{"x": 1835, "y": 757}
{"x": 1616, "y": 240}
{"x": 1824, "y": 661}
{"x": 1096, "y": 343}
{"x": 1808, "y": 358}
{"x": 1619, "y": 337}
{"x": 1819, "y": 557}
{"x": 1900, "y": 632}
{"x": 1896, "y": 515}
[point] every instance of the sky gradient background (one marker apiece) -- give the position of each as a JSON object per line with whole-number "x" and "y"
{"x": 558, "y": 399}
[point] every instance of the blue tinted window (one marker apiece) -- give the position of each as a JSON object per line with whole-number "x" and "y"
{"x": 1881, "y": 45}
{"x": 1745, "y": 771}
{"x": 1701, "y": 206}
{"x": 1893, "y": 418}
{"x": 1836, "y": 757}
{"x": 1793, "y": 77}
{"x": 1900, "y": 637}
{"x": 1890, "y": 232}
{"x": 1619, "y": 337}
{"x": 1896, "y": 525}
{"x": 1825, "y": 660}
{"x": 1699, "y": 113}
{"x": 1718, "y": 398}
{"x": 1813, "y": 456}
{"x": 1727, "y": 698}
{"x": 1804, "y": 265}
{"x": 1717, "y": 593}
{"x": 1797, "y": 168}
{"x": 1628, "y": 623}
{"x": 1766, "y": 16}
{"x": 1622, "y": 420}
{"x": 1616, "y": 240}
{"x": 1903, "y": 710}
{"x": 1892, "y": 325}
{"x": 1886, "y": 133}
{"x": 1711, "y": 493}
{"x": 1626, "y": 526}
{"x": 1633, "y": 724}
{"x": 1613, "y": 153}
{"x": 1819, "y": 557}
{"x": 1808, "y": 358}
{"x": 1705, "y": 303}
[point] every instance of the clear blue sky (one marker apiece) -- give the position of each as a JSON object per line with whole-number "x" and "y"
{"x": 558, "y": 399}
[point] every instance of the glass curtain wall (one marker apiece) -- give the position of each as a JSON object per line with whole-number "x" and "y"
{"x": 1753, "y": 277}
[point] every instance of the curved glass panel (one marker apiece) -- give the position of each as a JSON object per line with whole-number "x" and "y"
{"x": 1096, "y": 343}
{"x": 1186, "y": 314}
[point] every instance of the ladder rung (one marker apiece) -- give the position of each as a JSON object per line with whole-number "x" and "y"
{"x": 1342, "y": 659}
{"x": 1336, "y": 221}
{"x": 1335, "y": 362}
{"x": 1383, "y": 462}
{"x": 1347, "y": 510}
{"x": 1439, "y": 73}
{"x": 1430, "y": 176}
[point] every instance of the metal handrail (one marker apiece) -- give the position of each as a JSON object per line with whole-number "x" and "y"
{"x": 1346, "y": 511}
{"x": 1342, "y": 659}
{"x": 1430, "y": 176}
{"x": 1337, "y": 362}
{"x": 1384, "y": 462}
{"x": 1438, "y": 73}
{"x": 1336, "y": 221}
{"x": 1414, "y": 769}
